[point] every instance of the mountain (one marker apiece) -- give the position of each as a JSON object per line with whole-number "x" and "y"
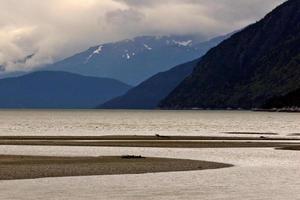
{"x": 58, "y": 90}
{"x": 290, "y": 100}
{"x": 133, "y": 61}
{"x": 148, "y": 94}
{"x": 254, "y": 65}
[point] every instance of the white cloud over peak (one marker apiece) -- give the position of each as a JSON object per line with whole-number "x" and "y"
{"x": 53, "y": 29}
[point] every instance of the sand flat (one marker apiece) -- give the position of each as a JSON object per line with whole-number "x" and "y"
{"x": 294, "y": 134}
{"x": 250, "y": 133}
{"x": 158, "y": 143}
{"x": 143, "y": 137}
{"x": 30, "y": 167}
{"x": 291, "y": 148}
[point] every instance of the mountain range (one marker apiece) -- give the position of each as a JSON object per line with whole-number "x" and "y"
{"x": 53, "y": 92}
{"x": 133, "y": 61}
{"x": 58, "y": 90}
{"x": 257, "y": 64}
{"x": 257, "y": 67}
{"x": 150, "y": 92}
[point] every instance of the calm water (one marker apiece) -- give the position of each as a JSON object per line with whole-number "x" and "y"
{"x": 144, "y": 122}
{"x": 259, "y": 174}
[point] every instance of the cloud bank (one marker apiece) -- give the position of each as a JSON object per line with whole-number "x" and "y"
{"x": 35, "y": 32}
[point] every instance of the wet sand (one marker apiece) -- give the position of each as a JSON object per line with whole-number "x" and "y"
{"x": 30, "y": 167}
{"x": 153, "y": 141}
{"x": 155, "y": 144}
{"x": 291, "y": 148}
{"x": 250, "y": 133}
{"x": 294, "y": 134}
{"x": 142, "y": 137}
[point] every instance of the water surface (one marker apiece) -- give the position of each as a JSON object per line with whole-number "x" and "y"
{"x": 259, "y": 174}
{"x": 99, "y": 122}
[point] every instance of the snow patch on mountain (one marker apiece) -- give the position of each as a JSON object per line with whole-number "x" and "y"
{"x": 127, "y": 56}
{"x": 183, "y": 43}
{"x": 147, "y": 47}
{"x": 97, "y": 51}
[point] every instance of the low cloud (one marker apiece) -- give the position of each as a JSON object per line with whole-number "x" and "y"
{"x": 35, "y": 32}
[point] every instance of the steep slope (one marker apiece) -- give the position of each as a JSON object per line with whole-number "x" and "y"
{"x": 148, "y": 94}
{"x": 290, "y": 100}
{"x": 57, "y": 90}
{"x": 133, "y": 61}
{"x": 258, "y": 63}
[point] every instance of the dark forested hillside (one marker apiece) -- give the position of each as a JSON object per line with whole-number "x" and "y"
{"x": 148, "y": 94}
{"x": 289, "y": 100}
{"x": 254, "y": 65}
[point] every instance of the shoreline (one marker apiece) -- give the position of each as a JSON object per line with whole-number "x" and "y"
{"x": 32, "y": 167}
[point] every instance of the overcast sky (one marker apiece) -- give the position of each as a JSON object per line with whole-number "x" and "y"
{"x": 54, "y": 29}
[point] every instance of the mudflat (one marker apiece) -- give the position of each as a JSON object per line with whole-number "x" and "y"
{"x": 148, "y": 137}
{"x": 295, "y": 134}
{"x": 250, "y": 133}
{"x": 291, "y": 148}
{"x": 14, "y": 167}
{"x": 153, "y": 141}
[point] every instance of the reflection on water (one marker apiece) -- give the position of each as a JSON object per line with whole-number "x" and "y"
{"x": 97, "y": 122}
{"x": 259, "y": 174}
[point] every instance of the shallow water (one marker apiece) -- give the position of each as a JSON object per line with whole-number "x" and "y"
{"x": 99, "y": 122}
{"x": 259, "y": 174}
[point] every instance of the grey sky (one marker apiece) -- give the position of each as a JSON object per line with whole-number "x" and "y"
{"x": 54, "y": 29}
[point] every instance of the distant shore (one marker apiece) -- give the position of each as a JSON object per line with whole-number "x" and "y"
{"x": 30, "y": 167}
